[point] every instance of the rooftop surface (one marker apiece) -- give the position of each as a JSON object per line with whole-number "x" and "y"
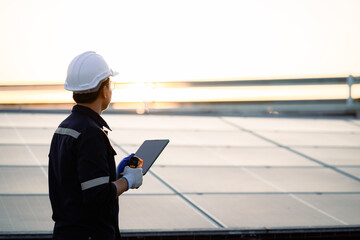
{"x": 217, "y": 173}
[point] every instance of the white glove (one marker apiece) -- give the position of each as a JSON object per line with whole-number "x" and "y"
{"x": 134, "y": 176}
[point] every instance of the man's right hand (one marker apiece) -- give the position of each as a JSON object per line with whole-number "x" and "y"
{"x": 134, "y": 177}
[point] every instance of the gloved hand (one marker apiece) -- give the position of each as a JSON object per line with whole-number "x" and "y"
{"x": 121, "y": 166}
{"x": 134, "y": 177}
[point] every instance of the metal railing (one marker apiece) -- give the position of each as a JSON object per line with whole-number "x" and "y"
{"x": 349, "y": 103}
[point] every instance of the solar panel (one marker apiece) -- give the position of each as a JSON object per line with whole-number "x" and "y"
{"x": 218, "y": 173}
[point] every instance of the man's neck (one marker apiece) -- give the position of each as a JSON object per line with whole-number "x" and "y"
{"x": 95, "y": 106}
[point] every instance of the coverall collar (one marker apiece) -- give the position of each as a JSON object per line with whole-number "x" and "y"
{"x": 95, "y": 116}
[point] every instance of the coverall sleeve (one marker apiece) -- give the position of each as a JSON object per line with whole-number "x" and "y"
{"x": 93, "y": 168}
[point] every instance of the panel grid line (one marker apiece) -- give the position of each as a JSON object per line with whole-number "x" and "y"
{"x": 293, "y": 196}
{"x": 27, "y": 146}
{"x": 283, "y": 190}
{"x": 293, "y": 151}
{"x": 212, "y": 219}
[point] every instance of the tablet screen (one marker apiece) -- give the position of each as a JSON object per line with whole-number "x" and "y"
{"x": 149, "y": 151}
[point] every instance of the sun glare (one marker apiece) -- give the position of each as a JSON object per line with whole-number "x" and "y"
{"x": 152, "y": 41}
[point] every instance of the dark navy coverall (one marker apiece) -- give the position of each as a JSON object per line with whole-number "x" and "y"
{"x": 81, "y": 171}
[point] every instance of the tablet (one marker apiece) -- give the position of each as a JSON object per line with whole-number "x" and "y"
{"x": 149, "y": 151}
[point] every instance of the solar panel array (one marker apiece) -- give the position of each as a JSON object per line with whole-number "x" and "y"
{"x": 216, "y": 173}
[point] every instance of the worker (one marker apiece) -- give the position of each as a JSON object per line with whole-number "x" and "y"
{"x": 83, "y": 183}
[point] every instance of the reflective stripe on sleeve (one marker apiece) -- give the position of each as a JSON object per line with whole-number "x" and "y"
{"x": 68, "y": 131}
{"x": 94, "y": 182}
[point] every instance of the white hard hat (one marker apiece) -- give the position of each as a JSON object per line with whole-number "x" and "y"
{"x": 86, "y": 71}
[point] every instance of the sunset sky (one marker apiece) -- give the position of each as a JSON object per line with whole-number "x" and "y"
{"x": 181, "y": 40}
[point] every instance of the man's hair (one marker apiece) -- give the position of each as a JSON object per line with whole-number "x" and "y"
{"x": 89, "y": 97}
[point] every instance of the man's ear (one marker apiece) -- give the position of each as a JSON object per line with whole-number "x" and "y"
{"x": 103, "y": 92}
